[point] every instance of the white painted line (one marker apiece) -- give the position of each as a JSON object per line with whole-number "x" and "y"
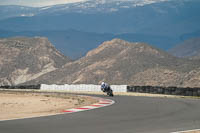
{"x": 187, "y": 131}
{"x": 74, "y": 110}
{"x": 89, "y": 107}
{"x": 99, "y": 104}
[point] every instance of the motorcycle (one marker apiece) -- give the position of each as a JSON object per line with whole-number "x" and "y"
{"x": 108, "y": 91}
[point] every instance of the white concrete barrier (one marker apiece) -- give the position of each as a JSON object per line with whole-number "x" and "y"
{"x": 119, "y": 88}
{"x": 82, "y": 87}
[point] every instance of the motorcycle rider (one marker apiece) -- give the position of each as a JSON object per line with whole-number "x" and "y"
{"x": 104, "y": 87}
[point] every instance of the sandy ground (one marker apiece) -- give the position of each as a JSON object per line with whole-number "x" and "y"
{"x": 26, "y": 104}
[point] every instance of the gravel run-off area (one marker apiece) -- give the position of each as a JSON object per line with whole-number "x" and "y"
{"x": 19, "y": 104}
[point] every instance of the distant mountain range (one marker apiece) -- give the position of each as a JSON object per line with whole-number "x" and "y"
{"x": 170, "y": 18}
{"x": 162, "y": 23}
{"x": 97, "y": 6}
{"x": 188, "y": 49}
{"x": 191, "y": 35}
{"x": 16, "y": 11}
{"x": 87, "y": 6}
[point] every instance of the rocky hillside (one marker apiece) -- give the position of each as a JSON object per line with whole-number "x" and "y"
{"x": 25, "y": 59}
{"x": 121, "y": 62}
{"x": 189, "y": 48}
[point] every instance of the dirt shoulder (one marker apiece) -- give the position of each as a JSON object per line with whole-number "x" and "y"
{"x": 28, "y": 104}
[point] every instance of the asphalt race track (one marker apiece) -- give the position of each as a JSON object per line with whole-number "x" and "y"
{"x": 127, "y": 115}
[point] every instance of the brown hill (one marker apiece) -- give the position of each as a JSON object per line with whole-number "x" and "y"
{"x": 121, "y": 62}
{"x": 24, "y": 59}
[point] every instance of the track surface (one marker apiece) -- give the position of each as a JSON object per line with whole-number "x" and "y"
{"x": 127, "y": 115}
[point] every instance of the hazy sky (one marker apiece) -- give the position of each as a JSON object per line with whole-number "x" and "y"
{"x": 36, "y": 3}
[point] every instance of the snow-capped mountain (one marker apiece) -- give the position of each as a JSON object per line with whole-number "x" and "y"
{"x": 87, "y": 6}
{"x": 16, "y": 11}
{"x": 93, "y": 6}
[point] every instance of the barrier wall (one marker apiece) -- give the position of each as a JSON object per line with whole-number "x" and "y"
{"x": 116, "y": 88}
{"x": 165, "y": 90}
{"x": 83, "y": 87}
{"x": 21, "y": 87}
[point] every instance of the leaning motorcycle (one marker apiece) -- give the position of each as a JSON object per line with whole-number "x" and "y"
{"x": 108, "y": 91}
